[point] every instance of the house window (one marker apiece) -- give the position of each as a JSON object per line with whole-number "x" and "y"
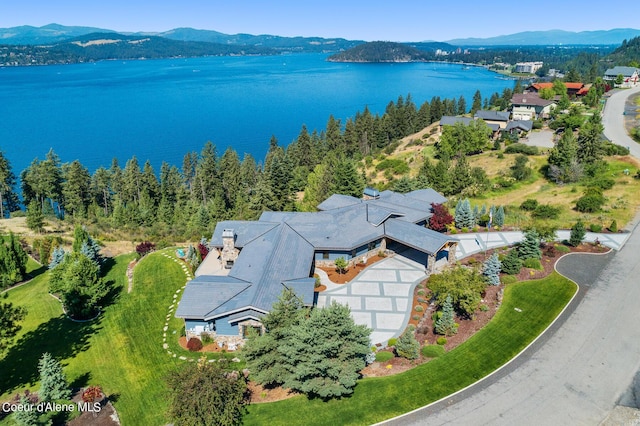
{"x": 325, "y": 255}
{"x": 372, "y": 245}
{"x": 246, "y": 330}
{"x": 354, "y": 253}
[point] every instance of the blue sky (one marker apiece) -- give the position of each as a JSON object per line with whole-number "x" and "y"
{"x": 402, "y": 20}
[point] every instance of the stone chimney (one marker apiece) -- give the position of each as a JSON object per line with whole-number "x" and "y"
{"x": 229, "y": 251}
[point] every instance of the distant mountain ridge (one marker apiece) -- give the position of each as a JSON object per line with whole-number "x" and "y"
{"x": 54, "y": 33}
{"x": 552, "y": 37}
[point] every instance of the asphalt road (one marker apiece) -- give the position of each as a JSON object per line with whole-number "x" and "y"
{"x": 577, "y": 372}
{"x": 613, "y": 121}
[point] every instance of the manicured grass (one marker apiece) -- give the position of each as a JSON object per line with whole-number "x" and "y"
{"x": 433, "y": 351}
{"x": 121, "y": 351}
{"x": 375, "y": 399}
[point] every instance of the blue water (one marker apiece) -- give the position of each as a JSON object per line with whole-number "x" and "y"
{"x": 159, "y": 110}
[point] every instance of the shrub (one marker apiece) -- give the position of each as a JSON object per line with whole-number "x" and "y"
{"x": 603, "y": 183}
{"x": 407, "y": 346}
{"x": 549, "y": 251}
{"x": 441, "y": 341}
{"x": 419, "y": 308}
{"x": 529, "y": 204}
{"x": 392, "y": 341}
{"x": 144, "y": 248}
{"x": 484, "y": 308}
{"x": 508, "y": 279}
{"x": 415, "y": 317}
{"x": 432, "y": 351}
{"x": 512, "y": 264}
{"x": 562, "y": 249}
{"x": 532, "y": 263}
{"x": 421, "y": 292}
{"x": 595, "y": 227}
{"x": 546, "y": 211}
{"x": 440, "y": 218}
{"x": 614, "y": 226}
{"x": 206, "y": 338}
{"x": 384, "y": 356}
{"x": 520, "y": 148}
{"x": 577, "y": 233}
{"x": 341, "y": 265}
{"x": 194, "y": 344}
{"x": 590, "y": 203}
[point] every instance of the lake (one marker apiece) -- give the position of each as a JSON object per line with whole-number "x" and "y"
{"x": 159, "y": 110}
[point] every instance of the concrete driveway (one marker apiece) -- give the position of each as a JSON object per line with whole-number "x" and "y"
{"x": 380, "y": 297}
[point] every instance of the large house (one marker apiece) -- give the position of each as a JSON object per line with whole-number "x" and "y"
{"x": 251, "y": 262}
{"x": 630, "y": 75}
{"x": 530, "y": 106}
{"x": 574, "y": 89}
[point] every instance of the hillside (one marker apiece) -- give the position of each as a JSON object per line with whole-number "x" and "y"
{"x": 101, "y": 46}
{"x": 627, "y": 54}
{"x": 379, "y": 51}
{"x": 552, "y": 37}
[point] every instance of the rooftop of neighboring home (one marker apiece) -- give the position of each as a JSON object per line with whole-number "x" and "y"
{"x": 523, "y": 125}
{"x": 492, "y": 115}
{"x": 624, "y": 71}
{"x": 519, "y": 99}
{"x": 449, "y": 120}
{"x": 278, "y": 249}
{"x": 572, "y": 86}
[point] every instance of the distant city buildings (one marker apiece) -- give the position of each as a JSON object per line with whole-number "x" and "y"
{"x": 528, "y": 67}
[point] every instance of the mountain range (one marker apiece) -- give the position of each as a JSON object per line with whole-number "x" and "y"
{"x": 54, "y": 33}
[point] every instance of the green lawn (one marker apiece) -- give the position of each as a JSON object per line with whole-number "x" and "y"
{"x": 376, "y": 399}
{"x": 122, "y": 350}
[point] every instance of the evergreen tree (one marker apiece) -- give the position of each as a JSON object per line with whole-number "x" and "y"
{"x": 264, "y": 359}
{"x": 477, "y": 102}
{"x": 8, "y": 197}
{"x": 346, "y": 179}
{"x": 498, "y": 217}
{"x": 26, "y": 417}
{"x": 13, "y": 261}
{"x": 403, "y": 185}
{"x": 35, "y": 218}
{"x": 407, "y": 346}
{"x": 446, "y": 324}
{"x": 577, "y": 234}
{"x": 10, "y": 318}
{"x": 76, "y": 189}
{"x": 57, "y": 257}
{"x": 529, "y": 247}
{"x": 461, "y": 175}
{"x": 206, "y": 393}
{"x": 462, "y": 106}
{"x": 511, "y": 264}
{"x": 563, "y": 157}
{"x": 325, "y": 353}
{"x": 590, "y": 140}
{"x": 53, "y": 382}
{"x": 519, "y": 170}
{"x": 491, "y": 269}
{"x": 464, "y": 217}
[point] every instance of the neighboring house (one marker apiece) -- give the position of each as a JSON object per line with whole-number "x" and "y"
{"x": 501, "y": 118}
{"x": 251, "y": 262}
{"x": 530, "y": 106}
{"x": 528, "y": 67}
{"x": 573, "y": 89}
{"x": 630, "y": 75}
{"x": 449, "y": 120}
{"x": 519, "y": 126}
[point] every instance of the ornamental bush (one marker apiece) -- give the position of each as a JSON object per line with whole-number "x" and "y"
{"x": 529, "y": 204}
{"x": 194, "y": 344}
{"x": 432, "y": 351}
{"x": 407, "y": 346}
{"x": 578, "y": 233}
{"x": 441, "y": 341}
{"x": 511, "y": 264}
{"x": 384, "y": 356}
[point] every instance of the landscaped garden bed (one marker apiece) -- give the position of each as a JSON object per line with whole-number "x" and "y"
{"x": 351, "y": 272}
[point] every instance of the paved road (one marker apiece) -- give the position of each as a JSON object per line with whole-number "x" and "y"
{"x": 577, "y": 373}
{"x": 613, "y": 121}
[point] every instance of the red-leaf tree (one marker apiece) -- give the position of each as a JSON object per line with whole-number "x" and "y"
{"x": 440, "y": 218}
{"x": 145, "y": 247}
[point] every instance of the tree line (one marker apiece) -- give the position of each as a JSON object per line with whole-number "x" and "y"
{"x": 187, "y": 201}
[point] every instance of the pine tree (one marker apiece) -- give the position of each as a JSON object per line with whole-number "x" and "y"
{"x": 407, "y": 346}
{"x": 264, "y": 360}
{"x": 491, "y": 269}
{"x": 445, "y": 324}
{"x": 498, "y": 217}
{"x": 53, "y": 382}
{"x": 529, "y": 247}
{"x": 35, "y": 218}
{"x": 578, "y": 232}
{"x": 512, "y": 264}
{"x": 26, "y": 417}
{"x": 464, "y": 217}
{"x": 325, "y": 353}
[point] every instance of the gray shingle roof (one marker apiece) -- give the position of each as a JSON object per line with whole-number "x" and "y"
{"x": 278, "y": 250}
{"x": 449, "y": 120}
{"x": 525, "y": 125}
{"x": 530, "y": 99}
{"x": 493, "y": 115}
{"x": 206, "y": 293}
{"x": 625, "y": 71}
{"x": 416, "y": 237}
{"x": 337, "y": 201}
